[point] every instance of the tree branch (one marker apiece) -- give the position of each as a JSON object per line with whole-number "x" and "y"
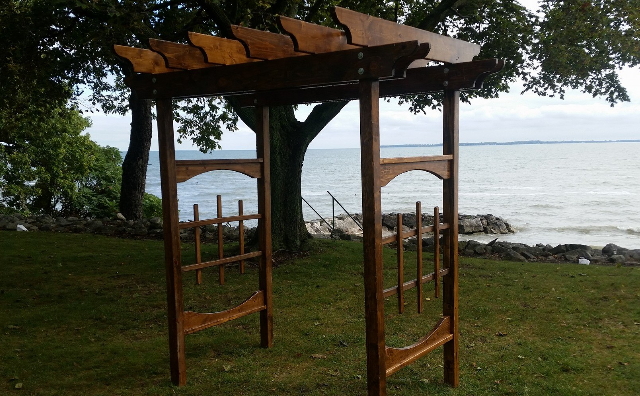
{"x": 213, "y": 9}
{"x": 319, "y": 117}
{"x": 439, "y": 14}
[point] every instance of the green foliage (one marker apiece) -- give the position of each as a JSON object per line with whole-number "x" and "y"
{"x": 54, "y": 169}
{"x": 151, "y": 206}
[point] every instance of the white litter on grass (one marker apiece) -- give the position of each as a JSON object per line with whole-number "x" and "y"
{"x": 20, "y": 227}
{"x": 584, "y": 261}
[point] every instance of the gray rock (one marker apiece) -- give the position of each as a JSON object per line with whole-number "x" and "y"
{"x": 617, "y": 258}
{"x": 612, "y": 249}
{"x": 470, "y": 225}
{"x": 514, "y": 256}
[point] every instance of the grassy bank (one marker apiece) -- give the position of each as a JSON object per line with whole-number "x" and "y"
{"x": 85, "y": 315}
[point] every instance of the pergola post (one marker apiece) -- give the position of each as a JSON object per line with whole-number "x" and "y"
{"x": 450, "y": 146}
{"x": 172, "y": 260}
{"x": 372, "y": 236}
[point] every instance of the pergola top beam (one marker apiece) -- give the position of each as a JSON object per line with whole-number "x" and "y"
{"x": 312, "y": 38}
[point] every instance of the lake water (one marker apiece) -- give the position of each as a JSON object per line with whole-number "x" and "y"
{"x": 586, "y": 193}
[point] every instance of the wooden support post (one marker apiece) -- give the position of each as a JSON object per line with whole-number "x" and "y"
{"x": 451, "y": 112}
{"x": 263, "y": 149}
{"x": 172, "y": 259}
{"x": 241, "y": 234}
{"x": 419, "y": 270}
{"x": 220, "y": 238}
{"x": 400, "y": 257}
{"x": 436, "y": 250}
{"x": 369, "y": 93}
{"x": 196, "y": 236}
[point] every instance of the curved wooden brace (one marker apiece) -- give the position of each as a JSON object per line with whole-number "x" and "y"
{"x": 220, "y": 50}
{"x": 312, "y": 38}
{"x": 366, "y": 30}
{"x": 194, "y": 321}
{"x": 186, "y": 169}
{"x": 399, "y": 357}
{"x": 143, "y": 60}
{"x": 180, "y": 56}
{"x": 264, "y": 45}
{"x": 439, "y": 165}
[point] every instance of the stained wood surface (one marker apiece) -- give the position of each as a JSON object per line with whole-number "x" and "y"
{"x": 438, "y": 166}
{"x": 186, "y": 169}
{"x": 419, "y": 271}
{"x": 241, "y": 234}
{"x": 469, "y": 75}
{"x": 265, "y": 45}
{"x": 219, "y": 220}
{"x": 220, "y": 50}
{"x": 400, "y": 261}
{"x": 410, "y": 233}
{"x": 220, "y": 262}
{"x": 143, "y": 60}
{"x": 195, "y": 321}
{"x": 385, "y": 61}
{"x": 367, "y": 30}
{"x": 179, "y": 56}
{"x": 172, "y": 257}
{"x": 312, "y": 38}
{"x": 220, "y": 240}
{"x": 436, "y": 249}
{"x": 413, "y": 283}
{"x": 196, "y": 244}
{"x": 400, "y": 357}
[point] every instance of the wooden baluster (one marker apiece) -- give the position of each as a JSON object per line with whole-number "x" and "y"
{"x": 436, "y": 250}
{"x": 400, "y": 256}
{"x": 241, "y": 232}
{"x": 419, "y": 255}
{"x": 196, "y": 235}
{"x": 220, "y": 240}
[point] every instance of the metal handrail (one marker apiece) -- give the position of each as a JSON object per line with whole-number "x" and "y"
{"x": 334, "y": 199}
{"x": 305, "y": 201}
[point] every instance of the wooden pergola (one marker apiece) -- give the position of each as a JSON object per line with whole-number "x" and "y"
{"x": 371, "y": 58}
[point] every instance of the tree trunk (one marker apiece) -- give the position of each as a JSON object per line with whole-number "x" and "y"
{"x": 134, "y": 167}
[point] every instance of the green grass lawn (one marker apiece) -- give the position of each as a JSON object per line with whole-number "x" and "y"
{"x": 85, "y": 315}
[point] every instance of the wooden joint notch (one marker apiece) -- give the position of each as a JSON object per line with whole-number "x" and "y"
{"x": 143, "y": 60}
{"x": 264, "y": 45}
{"x": 439, "y": 166}
{"x": 180, "y": 56}
{"x": 194, "y": 321}
{"x": 396, "y": 358}
{"x": 222, "y": 261}
{"x": 220, "y": 50}
{"x": 186, "y": 169}
{"x": 312, "y": 38}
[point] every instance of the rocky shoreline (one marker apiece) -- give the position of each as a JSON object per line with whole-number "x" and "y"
{"x": 346, "y": 228}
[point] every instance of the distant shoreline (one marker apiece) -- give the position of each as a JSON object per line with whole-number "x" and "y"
{"x": 515, "y": 143}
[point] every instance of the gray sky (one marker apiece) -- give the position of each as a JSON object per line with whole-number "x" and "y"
{"x": 511, "y": 117}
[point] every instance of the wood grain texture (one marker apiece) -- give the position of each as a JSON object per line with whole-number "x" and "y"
{"x": 241, "y": 234}
{"x": 372, "y": 235}
{"x": 400, "y": 261}
{"x": 220, "y": 50}
{"x": 367, "y": 30}
{"x": 222, "y": 261}
{"x": 450, "y": 139}
{"x": 180, "y": 56}
{"x": 440, "y": 168}
{"x": 400, "y": 357}
{"x": 419, "y": 271}
{"x": 220, "y": 240}
{"x": 195, "y": 321}
{"x": 143, "y": 60}
{"x": 186, "y": 169}
{"x": 196, "y": 244}
{"x": 312, "y": 38}
{"x": 412, "y": 283}
{"x": 265, "y": 45}
{"x": 172, "y": 257}
{"x": 436, "y": 249}
{"x": 470, "y": 75}
{"x": 263, "y": 150}
{"x": 385, "y": 61}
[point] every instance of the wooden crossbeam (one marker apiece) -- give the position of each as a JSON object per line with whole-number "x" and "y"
{"x": 228, "y": 219}
{"x": 186, "y": 169}
{"x": 312, "y": 38}
{"x": 143, "y": 60}
{"x": 194, "y": 321}
{"x": 408, "y": 285}
{"x": 221, "y": 262}
{"x": 438, "y": 165}
{"x": 459, "y": 76}
{"x": 407, "y": 234}
{"x": 179, "y": 56}
{"x": 220, "y": 50}
{"x": 386, "y": 61}
{"x": 367, "y": 30}
{"x": 265, "y": 45}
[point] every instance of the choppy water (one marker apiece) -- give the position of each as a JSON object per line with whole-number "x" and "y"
{"x": 551, "y": 193}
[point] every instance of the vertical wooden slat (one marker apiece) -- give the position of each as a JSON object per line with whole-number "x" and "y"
{"x": 220, "y": 238}
{"x": 451, "y": 111}
{"x": 436, "y": 250}
{"x": 369, "y": 94}
{"x": 172, "y": 259}
{"x": 419, "y": 270}
{"x": 241, "y": 234}
{"x": 196, "y": 235}
{"x": 400, "y": 259}
{"x": 263, "y": 149}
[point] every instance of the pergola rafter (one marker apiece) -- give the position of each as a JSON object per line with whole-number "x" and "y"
{"x": 369, "y": 59}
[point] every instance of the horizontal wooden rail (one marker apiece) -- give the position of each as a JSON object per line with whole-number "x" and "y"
{"x": 409, "y": 234}
{"x": 438, "y": 165}
{"x": 412, "y": 283}
{"x": 186, "y": 169}
{"x": 218, "y": 220}
{"x": 226, "y": 260}
{"x": 194, "y": 321}
{"x": 400, "y": 357}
